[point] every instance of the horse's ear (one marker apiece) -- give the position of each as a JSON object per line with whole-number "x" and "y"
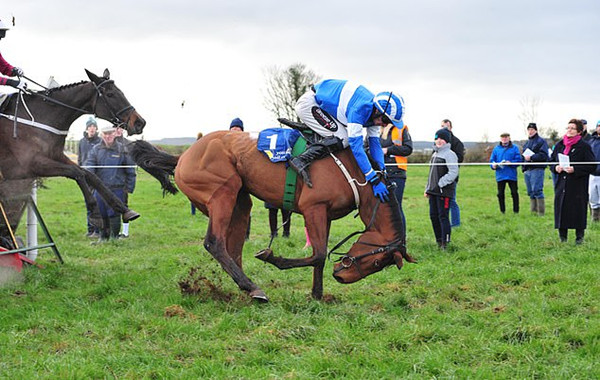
{"x": 398, "y": 259}
{"x": 106, "y": 74}
{"x": 93, "y": 77}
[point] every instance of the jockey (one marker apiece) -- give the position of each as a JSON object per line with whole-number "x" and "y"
{"x": 338, "y": 110}
{"x": 8, "y": 69}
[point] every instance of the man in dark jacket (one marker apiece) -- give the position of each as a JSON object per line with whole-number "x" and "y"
{"x": 594, "y": 186}
{"x": 89, "y": 140}
{"x": 535, "y": 150}
{"x": 118, "y": 175}
{"x": 397, "y": 146}
{"x": 459, "y": 149}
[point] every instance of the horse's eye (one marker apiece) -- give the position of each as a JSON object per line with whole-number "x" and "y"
{"x": 110, "y": 94}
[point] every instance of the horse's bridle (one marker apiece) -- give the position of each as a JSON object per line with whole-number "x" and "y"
{"x": 115, "y": 120}
{"x": 347, "y": 261}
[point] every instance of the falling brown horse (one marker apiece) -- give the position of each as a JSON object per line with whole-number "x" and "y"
{"x": 32, "y": 145}
{"x": 220, "y": 172}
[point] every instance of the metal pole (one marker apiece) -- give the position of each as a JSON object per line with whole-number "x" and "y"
{"x": 32, "y": 223}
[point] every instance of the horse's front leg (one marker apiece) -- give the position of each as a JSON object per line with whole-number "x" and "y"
{"x": 318, "y": 227}
{"x": 109, "y": 197}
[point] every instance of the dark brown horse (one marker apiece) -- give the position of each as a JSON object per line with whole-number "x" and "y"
{"x": 220, "y": 171}
{"x": 33, "y": 147}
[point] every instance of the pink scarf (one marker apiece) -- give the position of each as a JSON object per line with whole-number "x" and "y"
{"x": 569, "y": 142}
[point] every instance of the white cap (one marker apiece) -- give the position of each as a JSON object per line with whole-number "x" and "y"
{"x": 108, "y": 129}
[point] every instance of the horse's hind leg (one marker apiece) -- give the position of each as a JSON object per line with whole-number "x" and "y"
{"x": 222, "y": 208}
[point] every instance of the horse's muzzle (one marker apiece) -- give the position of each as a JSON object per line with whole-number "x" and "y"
{"x": 137, "y": 126}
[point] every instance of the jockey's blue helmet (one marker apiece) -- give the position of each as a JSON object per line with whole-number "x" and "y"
{"x": 391, "y": 105}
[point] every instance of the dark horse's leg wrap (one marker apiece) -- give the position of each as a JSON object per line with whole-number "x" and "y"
{"x": 315, "y": 152}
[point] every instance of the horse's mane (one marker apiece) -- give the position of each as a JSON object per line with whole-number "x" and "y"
{"x": 63, "y": 87}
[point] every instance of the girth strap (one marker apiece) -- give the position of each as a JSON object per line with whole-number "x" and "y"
{"x": 36, "y": 125}
{"x": 289, "y": 192}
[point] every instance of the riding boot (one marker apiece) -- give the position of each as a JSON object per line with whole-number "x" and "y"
{"x": 302, "y": 162}
{"x": 115, "y": 226}
{"x": 541, "y": 206}
{"x": 314, "y": 152}
{"x": 533, "y": 203}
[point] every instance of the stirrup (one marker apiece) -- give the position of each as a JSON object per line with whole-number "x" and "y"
{"x": 302, "y": 171}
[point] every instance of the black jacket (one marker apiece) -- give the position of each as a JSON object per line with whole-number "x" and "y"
{"x": 457, "y": 147}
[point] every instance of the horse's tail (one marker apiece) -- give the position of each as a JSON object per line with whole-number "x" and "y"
{"x": 160, "y": 165}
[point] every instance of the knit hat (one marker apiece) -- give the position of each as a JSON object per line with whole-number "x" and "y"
{"x": 237, "y": 122}
{"x": 532, "y": 125}
{"x": 91, "y": 121}
{"x": 443, "y": 134}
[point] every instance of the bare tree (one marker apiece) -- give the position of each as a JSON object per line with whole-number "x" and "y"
{"x": 284, "y": 88}
{"x": 529, "y": 109}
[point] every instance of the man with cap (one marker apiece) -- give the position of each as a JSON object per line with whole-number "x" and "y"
{"x": 9, "y": 70}
{"x": 440, "y": 186}
{"x": 337, "y": 111}
{"x": 110, "y": 161}
{"x": 535, "y": 151}
{"x": 237, "y": 125}
{"x": 506, "y": 153}
{"x": 594, "y": 185}
{"x": 89, "y": 140}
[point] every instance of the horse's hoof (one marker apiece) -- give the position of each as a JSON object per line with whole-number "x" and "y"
{"x": 259, "y": 295}
{"x": 130, "y": 215}
{"x": 264, "y": 254}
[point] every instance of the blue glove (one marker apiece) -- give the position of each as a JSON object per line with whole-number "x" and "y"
{"x": 380, "y": 190}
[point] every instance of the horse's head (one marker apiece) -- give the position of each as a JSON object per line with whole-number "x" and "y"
{"x": 370, "y": 254}
{"x": 112, "y": 104}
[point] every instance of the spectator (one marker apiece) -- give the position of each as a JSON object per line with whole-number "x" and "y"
{"x": 89, "y": 140}
{"x": 459, "y": 149}
{"x": 396, "y": 144}
{"x": 286, "y": 220}
{"x": 440, "y": 186}
{"x": 570, "y": 193}
{"x": 119, "y": 179}
{"x": 237, "y": 125}
{"x": 338, "y": 111}
{"x": 506, "y": 153}
{"x": 535, "y": 150}
{"x": 594, "y": 188}
{"x": 8, "y": 69}
{"x": 585, "y": 136}
{"x": 120, "y": 138}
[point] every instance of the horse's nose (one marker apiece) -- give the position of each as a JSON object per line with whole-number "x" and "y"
{"x": 139, "y": 122}
{"x": 339, "y": 278}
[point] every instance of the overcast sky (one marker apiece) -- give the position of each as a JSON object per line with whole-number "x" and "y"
{"x": 467, "y": 60}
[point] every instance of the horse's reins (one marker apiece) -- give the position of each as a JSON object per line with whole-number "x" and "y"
{"x": 344, "y": 240}
{"x": 115, "y": 115}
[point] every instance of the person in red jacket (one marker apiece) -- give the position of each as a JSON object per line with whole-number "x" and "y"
{"x": 8, "y": 69}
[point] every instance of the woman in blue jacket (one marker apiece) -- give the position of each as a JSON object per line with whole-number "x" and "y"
{"x": 503, "y": 158}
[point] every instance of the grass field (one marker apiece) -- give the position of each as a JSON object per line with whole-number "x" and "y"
{"x": 507, "y": 301}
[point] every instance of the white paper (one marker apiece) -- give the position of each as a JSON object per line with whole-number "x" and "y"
{"x": 563, "y": 160}
{"x": 528, "y": 153}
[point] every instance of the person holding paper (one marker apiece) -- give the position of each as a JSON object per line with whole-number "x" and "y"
{"x": 502, "y": 160}
{"x": 571, "y": 189}
{"x": 535, "y": 150}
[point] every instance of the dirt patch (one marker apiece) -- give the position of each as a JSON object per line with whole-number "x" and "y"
{"x": 195, "y": 284}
